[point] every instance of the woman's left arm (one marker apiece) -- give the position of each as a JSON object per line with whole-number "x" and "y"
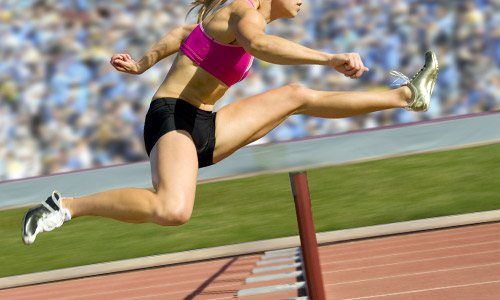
{"x": 166, "y": 46}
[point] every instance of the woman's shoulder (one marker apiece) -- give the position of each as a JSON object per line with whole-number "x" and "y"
{"x": 226, "y": 19}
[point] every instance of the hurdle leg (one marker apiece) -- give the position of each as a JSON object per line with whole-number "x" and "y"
{"x": 309, "y": 245}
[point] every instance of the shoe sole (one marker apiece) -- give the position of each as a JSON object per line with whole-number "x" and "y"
{"x": 433, "y": 61}
{"x": 27, "y": 239}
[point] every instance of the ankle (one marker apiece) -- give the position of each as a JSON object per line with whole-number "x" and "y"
{"x": 66, "y": 207}
{"x": 405, "y": 95}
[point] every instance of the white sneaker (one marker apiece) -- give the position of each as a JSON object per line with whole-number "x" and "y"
{"x": 45, "y": 217}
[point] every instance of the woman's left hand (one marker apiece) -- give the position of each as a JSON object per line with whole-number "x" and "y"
{"x": 349, "y": 64}
{"x": 125, "y": 63}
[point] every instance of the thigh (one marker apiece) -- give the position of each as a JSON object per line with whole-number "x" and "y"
{"x": 174, "y": 169}
{"x": 247, "y": 120}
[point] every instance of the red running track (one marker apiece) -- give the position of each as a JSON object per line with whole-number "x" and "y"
{"x": 457, "y": 263}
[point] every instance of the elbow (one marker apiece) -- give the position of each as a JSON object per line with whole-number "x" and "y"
{"x": 259, "y": 46}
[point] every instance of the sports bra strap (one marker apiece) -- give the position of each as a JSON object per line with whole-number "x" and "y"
{"x": 230, "y": 1}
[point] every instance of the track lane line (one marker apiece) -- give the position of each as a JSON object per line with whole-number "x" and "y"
{"x": 424, "y": 290}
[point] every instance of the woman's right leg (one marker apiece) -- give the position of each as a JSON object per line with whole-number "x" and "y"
{"x": 174, "y": 168}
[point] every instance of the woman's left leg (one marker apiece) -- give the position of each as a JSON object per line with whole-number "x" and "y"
{"x": 174, "y": 170}
{"x": 247, "y": 120}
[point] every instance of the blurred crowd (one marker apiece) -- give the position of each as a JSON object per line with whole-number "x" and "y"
{"x": 63, "y": 107}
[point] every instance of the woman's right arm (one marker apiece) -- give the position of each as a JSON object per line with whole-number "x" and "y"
{"x": 249, "y": 29}
{"x": 166, "y": 46}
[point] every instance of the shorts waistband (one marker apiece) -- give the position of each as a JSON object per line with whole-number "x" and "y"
{"x": 176, "y": 101}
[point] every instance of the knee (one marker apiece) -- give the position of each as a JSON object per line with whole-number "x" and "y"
{"x": 297, "y": 89}
{"x": 299, "y": 94}
{"x": 173, "y": 216}
{"x": 173, "y": 213}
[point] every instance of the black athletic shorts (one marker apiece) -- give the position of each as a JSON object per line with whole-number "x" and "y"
{"x": 168, "y": 114}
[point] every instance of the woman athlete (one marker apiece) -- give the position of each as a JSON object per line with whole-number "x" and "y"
{"x": 182, "y": 134}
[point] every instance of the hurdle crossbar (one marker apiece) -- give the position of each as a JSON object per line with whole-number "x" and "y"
{"x": 309, "y": 245}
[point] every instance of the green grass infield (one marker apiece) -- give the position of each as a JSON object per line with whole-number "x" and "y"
{"x": 349, "y": 196}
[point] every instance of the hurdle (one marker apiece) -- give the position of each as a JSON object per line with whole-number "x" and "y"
{"x": 305, "y": 259}
{"x": 308, "y": 242}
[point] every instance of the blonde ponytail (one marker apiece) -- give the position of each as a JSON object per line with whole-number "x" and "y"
{"x": 206, "y": 7}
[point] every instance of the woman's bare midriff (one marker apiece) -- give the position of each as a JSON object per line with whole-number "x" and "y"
{"x": 190, "y": 83}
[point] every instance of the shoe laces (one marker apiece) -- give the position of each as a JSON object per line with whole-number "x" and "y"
{"x": 53, "y": 219}
{"x": 401, "y": 76}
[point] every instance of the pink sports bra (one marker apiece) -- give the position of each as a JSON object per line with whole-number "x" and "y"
{"x": 229, "y": 63}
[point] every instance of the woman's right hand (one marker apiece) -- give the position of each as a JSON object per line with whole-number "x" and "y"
{"x": 349, "y": 64}
{"x": 125, "y": 63}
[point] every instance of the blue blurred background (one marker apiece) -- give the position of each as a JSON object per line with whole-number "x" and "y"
{"x": 63, "y": 107}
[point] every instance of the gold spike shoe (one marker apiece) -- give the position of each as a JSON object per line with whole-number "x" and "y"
{"x": 422, "y": 83}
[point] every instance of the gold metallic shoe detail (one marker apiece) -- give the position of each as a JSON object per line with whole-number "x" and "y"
{"x": 422, "y": 83}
